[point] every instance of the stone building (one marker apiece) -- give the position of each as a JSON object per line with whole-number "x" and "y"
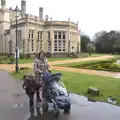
{"x": 36, "y": 33}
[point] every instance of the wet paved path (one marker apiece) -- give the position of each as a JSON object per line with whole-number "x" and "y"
{"x": 81, "y": 108}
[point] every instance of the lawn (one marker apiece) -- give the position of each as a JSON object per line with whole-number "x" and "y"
{"x": 102, "y": 65}
{"x": 97, "y": 54}
{"x": 6, "y": 60}
{"x": 77, "y": 64}
{"x": 79, "y": 83}
{"x": 30, "y": 60}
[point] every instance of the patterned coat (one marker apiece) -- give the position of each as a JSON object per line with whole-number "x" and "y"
{"x": 29, "y": 83}
{"x": 39, "y": 67}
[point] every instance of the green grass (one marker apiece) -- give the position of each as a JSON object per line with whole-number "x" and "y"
{"x": 79, "y": 83}
{"x": 77, "y": 64}
{"x": 30, "y": 60}
{"x": 97, "y": 55}
{"x": 22, "y": 61}
{"x": 20, "y": 74}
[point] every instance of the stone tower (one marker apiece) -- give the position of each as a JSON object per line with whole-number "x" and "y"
{"x": 23, "y": 7}
{"x": 3, "y": 4}
{"x": 41, "y": 12}
{"x": 4, "y": 24}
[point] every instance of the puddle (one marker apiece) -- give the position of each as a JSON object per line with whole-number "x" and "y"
{"x": 18, "y": 95}
{"x": 111, "y": 100}
{"x": 90, "y": 102}
{"x": 18, "y": 106}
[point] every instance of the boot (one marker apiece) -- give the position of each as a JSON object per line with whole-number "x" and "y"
{"x": 32, "y": 111}
{"x": 31, "y": 103}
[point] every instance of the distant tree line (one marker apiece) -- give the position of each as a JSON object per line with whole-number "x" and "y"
{"x": 103, "y": 42}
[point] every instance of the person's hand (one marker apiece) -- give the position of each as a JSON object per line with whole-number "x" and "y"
{"x": 39, "y": 71}
{"x": 49, "y": 70}
{"x": 24, "y": 86}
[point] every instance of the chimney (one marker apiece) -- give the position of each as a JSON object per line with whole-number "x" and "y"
{"x": 3, "y": 4}
{"x": 23, "y": 7}
{"x": 46, "y": 17}
{"x": 41, "y": 12}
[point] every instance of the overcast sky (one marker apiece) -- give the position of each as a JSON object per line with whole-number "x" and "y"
{"x": 93, "y": 15}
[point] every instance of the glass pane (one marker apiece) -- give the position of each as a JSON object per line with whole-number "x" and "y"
{"x": 64, "y": 36}
{"x": 59, "y": 35}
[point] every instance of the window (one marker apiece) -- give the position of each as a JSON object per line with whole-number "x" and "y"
{"x": 40, "y": 35}
{"x": 32, "y": 34}
{"x": 59, "y": 45}
{"x": 48, "y": 35}
{"x": 49, "y": 46}
{"x": 55, "y": 35}
{"x": 23, "y": 46}
{"x": 59, "y": 35}
{"x": 10, "y": 46}
{"x": 55, "y": 45}
{"x": 32, "y": 45}
{"x": 63, "y": 45}
{"x": 19, "y": 34}
{"x": 29, "y": 33}
{"x": 64, "y": 35}
{"x": 41, "y": 45}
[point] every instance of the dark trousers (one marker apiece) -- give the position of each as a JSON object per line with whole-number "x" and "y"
{"x": 31, "y": 97}
{"x": 31, "y": 100}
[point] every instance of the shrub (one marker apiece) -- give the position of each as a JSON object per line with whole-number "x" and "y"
{"x": 115, "y": 66}
{"x": 11, "y": 60}
{"x": 90, "y": 48}
{"x": 99, "y": 67}
{"x": 1, "y": 61}
{"x": 4, "y": 58}
{"x": 27, "y": 55}
{"x": 48, "y": 54}
{"x": 22, "y": 55}
{"x": 83, "y": 55}
{"x": 106, "y": 65}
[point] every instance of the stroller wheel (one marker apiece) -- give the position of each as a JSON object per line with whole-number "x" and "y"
{"x": 67, "y": 109}
{"x": 45, "y": 107}
{"x": 32, "y": 112}
{"x": 56, "y": 113}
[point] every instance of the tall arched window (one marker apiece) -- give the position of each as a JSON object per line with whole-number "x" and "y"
{"x": 59, "y": 41}
{"x": 23, "y": 46}
{"x": 10, "y": 46}
{"x": 49, "y": 45}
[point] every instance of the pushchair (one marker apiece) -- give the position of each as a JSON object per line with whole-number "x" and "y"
{"x": 55, "y": 92}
